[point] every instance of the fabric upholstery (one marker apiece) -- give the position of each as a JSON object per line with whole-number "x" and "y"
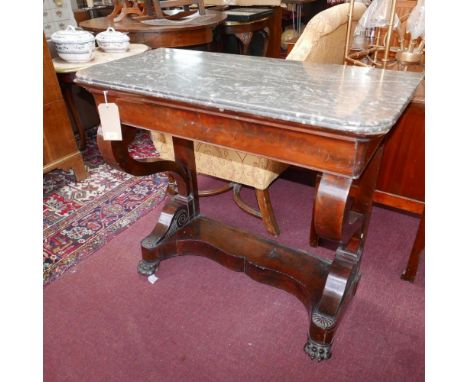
{"x": 232, "y": 165}
{"x": 324, "y": 38}
{"x": 322, "y": 41}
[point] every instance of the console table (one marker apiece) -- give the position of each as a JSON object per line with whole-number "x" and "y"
{"x": 329, "y": 118}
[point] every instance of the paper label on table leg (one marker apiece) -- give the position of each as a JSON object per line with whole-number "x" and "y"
{"x": 110, "y": 121}
{"x": 152, "y": 279}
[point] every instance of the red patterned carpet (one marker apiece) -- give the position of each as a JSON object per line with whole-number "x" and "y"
{"x": 79, "y": 218}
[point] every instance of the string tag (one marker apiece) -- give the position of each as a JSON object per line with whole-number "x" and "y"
{"x": 110, "y": 120}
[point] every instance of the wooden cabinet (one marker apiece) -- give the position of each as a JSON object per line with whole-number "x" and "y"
{"x": 401, "y": 180}
{"x": 402, "y": 177}
{"x": 60, "y": 149}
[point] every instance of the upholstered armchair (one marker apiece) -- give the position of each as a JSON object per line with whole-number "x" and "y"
{"x": 323, "y": 41}
{"x": 324, "y": 38}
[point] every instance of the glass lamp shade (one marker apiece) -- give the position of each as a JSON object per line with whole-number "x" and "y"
{"x": 377, "y": 15}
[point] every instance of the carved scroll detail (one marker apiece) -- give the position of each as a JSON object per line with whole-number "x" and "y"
{"x": 174, "y": 216}
{"x": 322, "y": 320}
{"x": 180, "y": 219}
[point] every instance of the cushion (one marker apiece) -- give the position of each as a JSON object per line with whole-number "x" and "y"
{"x": 232, "y": 165}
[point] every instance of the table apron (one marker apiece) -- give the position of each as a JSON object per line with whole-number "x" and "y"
{"x": 287, "y": 142}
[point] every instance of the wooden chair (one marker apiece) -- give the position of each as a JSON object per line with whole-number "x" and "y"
{"x": 152, "y": 9}
{"x": 183, "y": 7}
{"x": 171, "y": 9}
{"x": 323, "y": 41}
{"x": 124, "y": 8}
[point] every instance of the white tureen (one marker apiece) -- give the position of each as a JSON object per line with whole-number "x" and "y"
{"x": 74, "y": 45}
{"x": 113, "y": 41}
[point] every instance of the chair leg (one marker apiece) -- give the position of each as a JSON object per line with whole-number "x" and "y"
{"x": 266, "y": 210}
{"x": 216, "y": 191}
{"x": 268, "y": 217}
{"x": 413, "y": 261}
{"x": 172, "y": 188}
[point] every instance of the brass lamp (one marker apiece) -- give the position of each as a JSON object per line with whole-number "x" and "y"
{"x": 414, "y": 51}
{"x": 382, "y": 25}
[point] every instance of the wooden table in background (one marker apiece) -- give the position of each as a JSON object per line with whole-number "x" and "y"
{"x": 185, "y": 35}
{"x": 173, "y": 36}
{"x": 66, "y": 76}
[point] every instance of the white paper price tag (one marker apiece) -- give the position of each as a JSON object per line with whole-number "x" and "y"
{"x": 110, "y": 121}
{"x": 152, "y": 279}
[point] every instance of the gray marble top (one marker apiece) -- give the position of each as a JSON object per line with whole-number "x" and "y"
{"x": 346, "y": 98}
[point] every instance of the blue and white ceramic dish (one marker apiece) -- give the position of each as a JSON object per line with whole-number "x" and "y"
{"x": 74, "y": 45}
{"x": 113, "y": 41}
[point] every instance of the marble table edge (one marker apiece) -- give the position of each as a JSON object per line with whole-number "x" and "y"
{"x": 381, "y": 128}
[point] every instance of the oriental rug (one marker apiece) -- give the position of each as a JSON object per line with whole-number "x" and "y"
{"x": 80, "y": 217}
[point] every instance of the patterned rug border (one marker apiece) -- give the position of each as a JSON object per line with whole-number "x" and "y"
{"x": 125, "y": 184}
{"x": 92, "y": 205}
{"x": 103, "y": 237}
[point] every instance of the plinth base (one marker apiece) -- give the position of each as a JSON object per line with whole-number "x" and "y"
{"x": 302, "y": 274}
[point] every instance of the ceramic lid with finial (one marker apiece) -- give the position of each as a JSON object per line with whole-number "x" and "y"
{"x": 111, "y": 35}
{"x": 72, "y": 35}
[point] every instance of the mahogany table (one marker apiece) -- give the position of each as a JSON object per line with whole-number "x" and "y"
{"x": 329, "y": 118}
{"x": 184, "y": 34}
